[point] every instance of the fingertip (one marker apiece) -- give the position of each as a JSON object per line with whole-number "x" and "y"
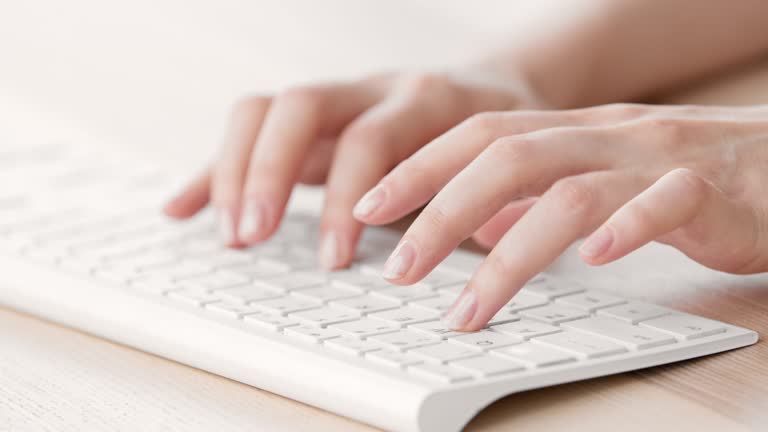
{"x": 366, "y": 208}
{"x": 179, "y": 208}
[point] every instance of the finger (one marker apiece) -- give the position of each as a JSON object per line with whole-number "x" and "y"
{"x": 192, "y": 199}
{"x": 318, "y": 162}
{"x": 229, "y": 170}
{"x": 522, "y": 165}
{"x": 492, "y": 231}
{"x": 572, "y": 207}
{"x": 367, "y": 150}
{"x": 680, "y": 203}
{"x": 412, "y": 183}
{"x": 296, "y": 120}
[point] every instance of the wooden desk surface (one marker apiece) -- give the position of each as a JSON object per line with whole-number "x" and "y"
{"x": 56, "y": 379}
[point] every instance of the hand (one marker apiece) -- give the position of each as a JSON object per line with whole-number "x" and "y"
{"x": 347, "y": 135}
{"x": 530, "y": 183}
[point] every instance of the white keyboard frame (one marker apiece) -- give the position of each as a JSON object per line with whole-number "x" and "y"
{"x": 374, "y": 394}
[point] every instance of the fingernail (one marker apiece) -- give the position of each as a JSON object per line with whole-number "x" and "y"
{"x": 226, "y": 226}
{"x": 370, "y": 202}
{"x": 462, "y": 311}
{"x": 400, "y": 261}
{"x": 251, "y": 220}
{"x": 597, "y": 243}
{"x": 329, "y": 251}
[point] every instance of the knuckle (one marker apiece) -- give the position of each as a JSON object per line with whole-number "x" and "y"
{"x": 669, "y": 131}
{"x": 436, "y": 218}
{"x": 484, "y": 123}
{"x": 501, "y": 265}
{"x": 303, "y": 95}
{"x": 574, "y": 194}
{"x": 626, "y": 110}
{"x": 694, "y": 185}
{"x": 513, "y": 150}
{"x": 425, "y": 82}
{"x": 261, "y": 175}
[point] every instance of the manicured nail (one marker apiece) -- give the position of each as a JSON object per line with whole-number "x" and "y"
{"x": 251, "y": 220}
{"x": 329, "y": 251}
{"x": 462, "y": 311}
{"x": 226, "y": 226}
{"x": 597, "y": 243}
{"x": 370, "y": 202}
{"x": 400, "y": 261}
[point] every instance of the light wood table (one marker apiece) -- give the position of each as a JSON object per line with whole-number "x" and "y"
{"x": 54, "y": 378}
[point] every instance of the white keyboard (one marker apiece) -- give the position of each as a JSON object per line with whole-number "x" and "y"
{"x": 87, "y": 248}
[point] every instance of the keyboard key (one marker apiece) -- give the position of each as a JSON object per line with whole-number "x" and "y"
{"x": 523, "y": 301}
{"x": 436, "y": 328}
{"x": 634, "y": 337}
{"x": 291, "y": 260}
{"x": 254, "y": 271}
{"x": 440, "y": 373}
{"x": 550, "y": 289}
{"x": 590, "y": 301}
{"x": 633, "y": 312}
{"x": 293, "y": 281}
{"x": 405, "y": 339}
{"x": 230, "y": 309}
{"x": 285, "y": 305}
{"x": 444, "y": 352}
{"x": 324, "y": 316}
{"x": 366, "y": 304}
{"x": 488, "y": 365}
{"x": 216, "y": 281}
{"x": 533, "y": 355}
{"x": 392, "y": 358}
{"x": 326, "y": 293}
{"x": 359, "y": 281}
{"x": 405, "y": 294}
{"x": 484, "y": 340}
{"x": 438, "y": 304}
{"x": 179, "y": 270}
{"x": 365, "y": 328}
{"x": 249, "y": 293}
{"x": 451, "y": 290}
{"x": 268, "y": 321}
{"x": 503, "y": 316}
{"x": 118, "y": 275}
{"x": 440, "y": 278}
{"x": 352, "y": 345}
{"x": 553, "y": 314}
{"x": 684, "y": 326}
{"x": 154, "y": 284}
{"x": 310, "y": 333}
{"x": 193, "y": 296}
{"x": 224, "y": 258}
{"x": 405, "y": 316}
{"x": 583, "y": 345}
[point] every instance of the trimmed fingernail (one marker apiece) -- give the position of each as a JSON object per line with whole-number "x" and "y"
{"x": 226, "y": 226}
{"x": 329, "y": 251}
{"x": 370, "y": 202}
{"x": 251, "y": 220}
{"x": 400, "y": 261}
{"x": 462, "y": 311}
{"x": 597, "y": 243}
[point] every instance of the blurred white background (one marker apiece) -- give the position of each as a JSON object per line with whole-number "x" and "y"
{"x": 162, "y": 73}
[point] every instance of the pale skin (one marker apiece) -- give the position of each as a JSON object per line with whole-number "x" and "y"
{"x": 499, "y": 151}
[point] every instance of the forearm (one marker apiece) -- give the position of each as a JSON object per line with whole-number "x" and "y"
{"x": 603, "y": 51}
